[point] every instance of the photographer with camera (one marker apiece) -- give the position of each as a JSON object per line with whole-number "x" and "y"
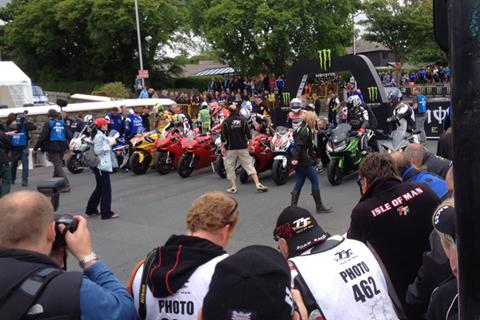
{"x": 32, "y": 285}
{"x": 19, "y": 125}
{"x": 53, "y": 139}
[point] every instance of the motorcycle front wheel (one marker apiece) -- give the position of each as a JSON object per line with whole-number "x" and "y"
{"x": 334, "y": 173}
{"x": 219, "y": 167}
{"x": 74, "y": 165}
{"x": 163, "y": 164}
{"x": 137, "y": 167}
{"x": 186, "y": 165}
{"x": 279, "y": 173}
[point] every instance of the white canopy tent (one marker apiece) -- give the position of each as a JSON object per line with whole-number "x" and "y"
{"x": 15, "y": 86}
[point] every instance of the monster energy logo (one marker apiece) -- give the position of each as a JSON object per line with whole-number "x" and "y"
{"x": 286, "y": 98}
{"x": 325, "y": 57}
{"x": 372, "y": 94}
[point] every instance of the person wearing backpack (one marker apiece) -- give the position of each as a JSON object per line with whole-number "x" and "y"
{"x": 420, "y": 108}
{"x": 102, "y": 148}
{"x": 33, "y": 286}
{"x": 20, "y": 126}
{"x": 53, "y": 139}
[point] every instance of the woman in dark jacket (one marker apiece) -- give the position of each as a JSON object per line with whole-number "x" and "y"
{"x": 304, "y": 159}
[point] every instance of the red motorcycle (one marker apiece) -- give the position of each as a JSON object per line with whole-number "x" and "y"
{"x": 169, "y": 151}
{"x": 199, "y": 152}
{"x": 262, "y": 155}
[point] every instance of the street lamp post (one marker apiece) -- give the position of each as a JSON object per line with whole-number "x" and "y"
{"x": 140, "y": 55}
{"x": 354, "y": 46}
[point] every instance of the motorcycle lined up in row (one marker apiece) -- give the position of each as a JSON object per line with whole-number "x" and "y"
{"x": 398, "y": 139}
{"x": 199, "y": 152}
{"x": 282, "y": 148}
{"x": 169, "y": 151}
{"x": 344, "y": 152}
{"x": 79, "y": 144}
{"x": 261, "y": 152}
{"x": 144, "y": 151}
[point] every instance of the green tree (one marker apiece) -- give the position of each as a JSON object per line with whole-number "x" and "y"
{"x": 268, "y": 35}
{"x": 404, "y": 26}
{"x": 86, "y": 39}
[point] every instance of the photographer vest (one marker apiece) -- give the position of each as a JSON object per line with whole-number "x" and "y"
{"x": 20, "y": 138}
{"x": 185, "y": 303}
{"x": 57, "y": 130}
{"x": 344, "y": 275}
{"x": 33, "y": 287}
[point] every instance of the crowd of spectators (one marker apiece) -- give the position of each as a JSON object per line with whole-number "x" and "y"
{"x": 430, "y": 75}
{"x": 398, "y": 259}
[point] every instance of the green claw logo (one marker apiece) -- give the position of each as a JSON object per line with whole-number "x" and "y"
{"x": 286, "y": 98}
{"x": 325, "y": 57}
{"x": 373, "y": 93}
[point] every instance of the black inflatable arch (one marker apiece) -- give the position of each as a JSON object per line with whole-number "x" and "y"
{"x": 361, "y": 68}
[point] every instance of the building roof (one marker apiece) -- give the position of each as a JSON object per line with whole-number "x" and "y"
{"x": 190, "y": 70}
{"x": 364, "y": 46}
{"x": 214, "y": 71}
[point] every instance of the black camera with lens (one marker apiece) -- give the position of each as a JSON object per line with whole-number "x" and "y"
{"x": 70, "y": 225}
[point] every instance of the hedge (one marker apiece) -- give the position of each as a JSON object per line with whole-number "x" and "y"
{"x": 199, "y": 83}
{"x": 85, "y": 87}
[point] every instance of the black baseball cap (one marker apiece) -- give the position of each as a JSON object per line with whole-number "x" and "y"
{"x": 253, "y": 284}
{"x": 300, "y": 229}
{"x": 444, "y": 220}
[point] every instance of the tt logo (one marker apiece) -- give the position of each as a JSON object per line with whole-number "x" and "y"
{"x": 344, "y": 254}
{"x": 372, "y": 94}
{"x": 325, "y": 57}
{"x": 301, "y": 223}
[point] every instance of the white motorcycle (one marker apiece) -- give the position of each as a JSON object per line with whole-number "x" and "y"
{"x": 282, "y": 147}
{"x": 78, "y": 145}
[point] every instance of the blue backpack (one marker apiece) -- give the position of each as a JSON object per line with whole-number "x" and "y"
{"x": 422, "y": 104}
{"x": 57, "y": 130}
{"x": 20, "y": 138}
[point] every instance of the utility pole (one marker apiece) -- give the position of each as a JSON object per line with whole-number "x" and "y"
{"x": 140, "y": 55}
{"x": 464, "y": 54}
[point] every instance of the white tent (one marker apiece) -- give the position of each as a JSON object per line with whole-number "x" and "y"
{"x": 15, "y": 86}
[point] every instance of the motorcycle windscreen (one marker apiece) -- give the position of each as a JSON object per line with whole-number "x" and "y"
{"x": 341, "y": 132}
{"x": 281, "y": 131}
{"x": 399, "y": 140}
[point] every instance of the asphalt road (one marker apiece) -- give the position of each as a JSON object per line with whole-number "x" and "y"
{"x": 153, "y": 207}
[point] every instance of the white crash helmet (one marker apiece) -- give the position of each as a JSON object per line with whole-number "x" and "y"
{"x": 354, "y": 101}
{"x": 246, "y": 109}
{"x": 88, "y": 119}
{"x": 296, "y": 105}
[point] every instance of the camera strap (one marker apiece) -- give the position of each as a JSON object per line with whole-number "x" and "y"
{"x": 22, "y": 298}
{"x": 142, "y": 297}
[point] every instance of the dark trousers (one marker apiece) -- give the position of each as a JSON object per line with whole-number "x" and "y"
{"x": 302, "y": 173}
{"x": 56, "y": 158}
{"x": 5, "y": 179}
{"x": 101, "y": 195}
{"x": 20, "y": 155}
{"x": 322, "y": 148}
{"x": 332, "y": 117}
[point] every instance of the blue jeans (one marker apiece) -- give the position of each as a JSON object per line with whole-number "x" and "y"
{"x": 301, "y": 173}
{"x": 20, "y": 155}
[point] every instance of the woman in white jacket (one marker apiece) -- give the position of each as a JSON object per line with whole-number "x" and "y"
{"x": 106, "y": 162}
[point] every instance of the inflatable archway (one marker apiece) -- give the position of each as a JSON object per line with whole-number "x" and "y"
{"x": 361, "y": 68}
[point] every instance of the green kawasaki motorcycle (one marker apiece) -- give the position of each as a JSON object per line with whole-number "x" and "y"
{"x": 344, "y": 152}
